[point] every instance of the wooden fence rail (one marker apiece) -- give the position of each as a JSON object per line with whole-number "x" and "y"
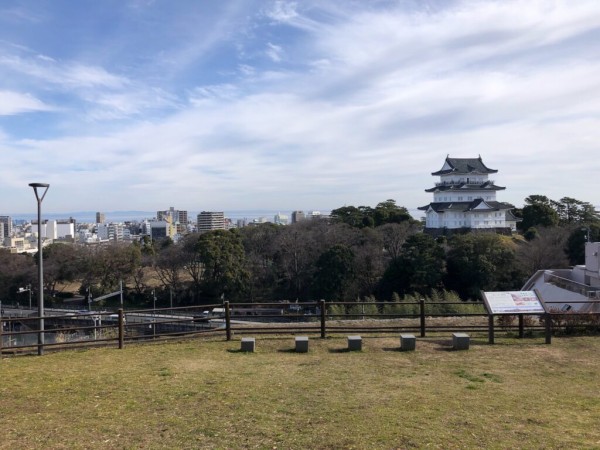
{"x": 19, "y": 335}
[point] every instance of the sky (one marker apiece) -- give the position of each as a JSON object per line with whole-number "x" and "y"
{"x": 293, "y": 105}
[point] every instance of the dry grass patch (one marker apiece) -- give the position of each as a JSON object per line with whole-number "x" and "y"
{"x": 207, "y": 394}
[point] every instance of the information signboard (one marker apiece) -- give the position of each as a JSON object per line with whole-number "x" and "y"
{"x": 513, "y": 302}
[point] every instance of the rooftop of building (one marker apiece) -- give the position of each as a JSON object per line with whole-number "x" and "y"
{"x": 477, "y": 204}
{"x": 463, "y": 166}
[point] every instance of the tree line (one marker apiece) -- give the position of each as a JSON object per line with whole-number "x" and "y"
{"x": 361, "y": 252}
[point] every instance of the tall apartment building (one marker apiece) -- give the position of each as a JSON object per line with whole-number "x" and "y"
{"x": 175, "y": 215}
{"x": 297, "y": 216}
{"x": 178, "y": 218}
{"x": 112, "y": 232}
{"x": 210, "y": 220}
{"x": 100, "y": 217}
{"x": 182, "y": 217}
{"x": 7, "y": 229}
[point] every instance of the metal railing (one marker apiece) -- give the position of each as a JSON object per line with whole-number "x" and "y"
{"x": 573, "y": 286}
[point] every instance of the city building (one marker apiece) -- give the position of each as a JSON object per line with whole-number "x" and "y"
{"x": 465, "y": 197}
{"x": 182, "y": 217}
{"x": 281, "y": 219}
{"x": 100, "y": 217}
{"x": 56, "y": 229}
{"x": 85, "y": 236}
{"x": 159, "y": 229}
{"x": 297, "y": 216}
{"x": 65, "y": 228}
{"x": 112, "y": 232}
{"x": 210, "y": 220}
{"x": 16, "y": 244}
{"x": 8, "y": 226}
{"x": 178, "y": 218}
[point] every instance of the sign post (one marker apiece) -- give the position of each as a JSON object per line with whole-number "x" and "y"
{"x": 509, "y": 303}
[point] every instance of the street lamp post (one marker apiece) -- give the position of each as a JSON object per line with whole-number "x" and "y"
{"x": 154, "y": 313}
{"x": 39, "y": 199}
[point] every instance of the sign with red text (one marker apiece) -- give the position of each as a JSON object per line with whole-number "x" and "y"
{"x": 513, "y": 302}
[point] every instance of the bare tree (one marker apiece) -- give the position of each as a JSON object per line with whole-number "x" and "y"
{"x": 394, "y": 236}
{"x": 168, "y": 265}
{"x": 545, "y": 251}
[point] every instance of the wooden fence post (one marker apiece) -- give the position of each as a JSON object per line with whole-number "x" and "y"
{"x": 422, "y": 314}
{"x": 323, "y": 316}
{"x": 227, "y": 321}
{"x": 548, "y": 328}
{"x": 521, "y": 326}
{"x": 491, "y": 329}
{"x": 121, "y": 328}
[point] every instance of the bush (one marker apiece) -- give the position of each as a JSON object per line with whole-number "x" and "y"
{"x": 448, "y": 302}
{"x": 575, "y": 323}
{"x": 365, "y": 309}
{"x": 401, "y": 307}
{"x": 335, "y": 310}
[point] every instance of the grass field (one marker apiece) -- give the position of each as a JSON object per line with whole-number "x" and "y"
{"x": 207, "y": 394}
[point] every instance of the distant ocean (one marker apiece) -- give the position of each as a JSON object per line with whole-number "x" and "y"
{"x": 123, "y": 216}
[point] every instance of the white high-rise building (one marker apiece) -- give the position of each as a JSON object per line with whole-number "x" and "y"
{"x": 281, "y": 219}
{"x": 111, "y": 231}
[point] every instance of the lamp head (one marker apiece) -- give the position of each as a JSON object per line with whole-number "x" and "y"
{"x": 35, "y": 187}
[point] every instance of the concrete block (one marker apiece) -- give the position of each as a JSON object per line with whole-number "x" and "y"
{"x": 408, "y": 342}
{"x": 354, "y": 343}
{"x": 248, "y": 344}
{"x": 460, "y": 341}
{"x": 302, "y": 344}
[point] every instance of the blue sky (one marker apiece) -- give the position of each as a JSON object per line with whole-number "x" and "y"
{"x": 231, "y": 105}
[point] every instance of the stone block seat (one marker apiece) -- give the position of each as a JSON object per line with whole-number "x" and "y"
{"x": 301, "y": 344}
{"x": 248, "y": 344}
{"x": 408, "y": 342}
{"x": 354, "y": 343}
{"x": 460, "y": 341}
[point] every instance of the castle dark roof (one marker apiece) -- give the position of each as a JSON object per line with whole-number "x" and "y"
{"x": 463, "y": 166}
{"x": 511, "y": 217}
{"x": 477, "y": 204}
{"x": 487, "y": 186}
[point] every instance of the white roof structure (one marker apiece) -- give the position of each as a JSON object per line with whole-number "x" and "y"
{"x": 576, "y": 289}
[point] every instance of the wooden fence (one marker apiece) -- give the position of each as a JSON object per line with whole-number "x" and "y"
{"x": 65, "y": 329}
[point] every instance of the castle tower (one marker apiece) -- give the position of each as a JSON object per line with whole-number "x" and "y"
{"x": 465, "y": 197}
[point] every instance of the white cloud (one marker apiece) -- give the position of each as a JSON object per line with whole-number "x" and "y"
{"x": 274, "y": 52}
{"x": 12, "y": 103}
{"x": 78, "y": 75}
{"x": 68, "y": 75}
{"x": 282, "y": 11}
{"x": 366, "y": 105}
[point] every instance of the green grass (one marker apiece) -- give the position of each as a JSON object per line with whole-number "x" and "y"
{"x": 207, "y": 394}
